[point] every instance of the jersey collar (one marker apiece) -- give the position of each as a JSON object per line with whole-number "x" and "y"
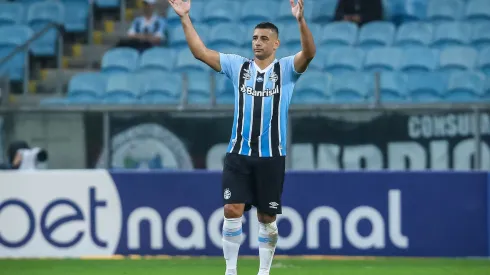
{"x": 257, "y": 68}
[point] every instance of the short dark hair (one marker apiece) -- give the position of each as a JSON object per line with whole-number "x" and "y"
{"x": 268, "y": 25}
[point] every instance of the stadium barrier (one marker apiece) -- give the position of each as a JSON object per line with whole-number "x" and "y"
{"x": 76, "y": 213}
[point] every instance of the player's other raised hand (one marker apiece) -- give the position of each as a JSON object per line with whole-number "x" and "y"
{"x": 297, "y": 9}
{"x": 181, "y": 7}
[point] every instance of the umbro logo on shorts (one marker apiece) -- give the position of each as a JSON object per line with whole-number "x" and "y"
{"x": 273, "y": 205}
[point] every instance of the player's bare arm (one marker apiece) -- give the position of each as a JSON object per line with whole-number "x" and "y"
{"x": 197, "y": 47}
{"x": 308, "y": 48}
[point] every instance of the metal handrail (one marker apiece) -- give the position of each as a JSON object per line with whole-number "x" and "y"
{"x": 25, "y": 47}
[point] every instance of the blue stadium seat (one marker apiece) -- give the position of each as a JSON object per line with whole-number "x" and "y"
{"x": 86, "y": 88}
{"x": 480, "y": 35}
{"x": 224, "y": 90}
{"x": 352, "y": 87}
{"x": 40, "y": 14}
{"x": 108, "y": 4}
{"x": 413, "y": 10}
{"x": 458, "y": 58}
{"x": 220, "y": 11}
{"x": 199, "y": 88}
{"x": 445, "y": 10}
{"x": 484, "y": 61}
{"x": 226, "y": 35}
{"x": 323, "y": 11}
{"x": 465, "y": 86}
{"x": 286, "y": 51}
{"x": 318, "y": 62}
{"x": 344, "y": 59}
{"x": 122, "y": 88}
{"x": 256, "y": 11}
{"x": 393, "y": 87}
{"x": 383, "y": 59}
{"x": 419, "y": 59}
{"x": 76, "y": 16}
{"x": 426, "y": 87}
{"x": 11, "y": 13}
{"x": 120, "y": 60}
{"x": 486, "y": 89}
{"x": 243, "y": 52}
{"x": 10, "y": 38}
{"x": 339, "y": 34}
{"x": 186, "y": 62}
{"x": 451, "y": 34}
{"x": 177, "y": 38}
{"x": 157, "y": 58}
{"x": 414, "y": 34}
{"x": 290, "y": 36}
{"x": 161, "y": 87}
{"x": 196, "y": 14}
{"x": 312, "y": 88}
{"x": 376, "y": 34}
{"x": 477, "y": 10}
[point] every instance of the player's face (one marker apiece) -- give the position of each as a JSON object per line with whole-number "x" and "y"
{"x": 264, "y": 43}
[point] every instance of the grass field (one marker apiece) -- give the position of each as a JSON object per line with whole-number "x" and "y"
{"x": 249, "y": 266}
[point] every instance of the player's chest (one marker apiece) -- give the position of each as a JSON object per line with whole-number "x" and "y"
{"x": 265, "y": 83}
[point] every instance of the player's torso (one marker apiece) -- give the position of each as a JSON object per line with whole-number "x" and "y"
{"x": 261, "y": 106}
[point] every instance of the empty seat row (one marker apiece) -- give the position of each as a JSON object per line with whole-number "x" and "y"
{"x": 335, "y": 60}
{"x": 395, "y": 87}
{"x": 374, "y": 34}
{"x": 16, "y": 35}
{"x": 73, "y": 15}
{"x": 156, "y": 87}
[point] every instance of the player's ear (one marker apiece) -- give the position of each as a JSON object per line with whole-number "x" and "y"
{"x": 277, "y": 43}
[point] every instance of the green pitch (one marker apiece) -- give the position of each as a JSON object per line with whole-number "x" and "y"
{"x": 215, "y": 266}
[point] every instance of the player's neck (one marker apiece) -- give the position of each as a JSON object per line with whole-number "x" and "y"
{"x": 264, "y": 63}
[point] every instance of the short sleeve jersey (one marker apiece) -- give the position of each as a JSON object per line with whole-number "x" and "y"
{"x": 262, "y": 99}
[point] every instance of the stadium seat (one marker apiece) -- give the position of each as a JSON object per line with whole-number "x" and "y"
{"x": 393, "y": 87}
{"x": 120, "y": 60}
{"x": 38, "y": 16}
{"x": 122, "y": 88}
{"x": 312, "y": 88}
{"x": 11, "y": 13}
{"x": 477, "y": 10}
{"x": 290, "y": 36}
{"x": 256, "y": 11}
{"x": 458, "y": 58}
{"x": 108, "y": 4}
{"x": 383, "y": 59}
{"x": 10, "y": 38}
{"x": 220, "y": 11}
{"x": 226, "y": 35}
{"x": 76, "y": 16}
{"x": 196, "y": 14}
{"x": 352, "y": 87}
{"x": 161, "y": 87}
{"x": 465, "y": 86}
{"x": 419, "y": 59}
{"x": 376, "y": 34}
{"x": 426, "y": 87}
{"x": 186, "y": 62}
{"x": 323, "y": 11}
{"x": 86, "y": 88}
{"x": 484, "y": 61}
{"x": 414, "y": 34}
{"x": 198, "y": 88}
{"x": 318, "y": 62}
{"x": 243, "y": 52}
{"x": 157, "y": 58}
{"x": 177, "y": 38}
{"x": 224, "y": 90}
{"x": 480, "y": 35}
{"x": 344, "y": 59}
{"x": 286, "y": 51}
{"x": 412, "y": 10}
{"x": 445, "y": 10}
{"x": 486, "y": 89}
{"x": 451, "y": 34}
{"x": 339, "y": 34}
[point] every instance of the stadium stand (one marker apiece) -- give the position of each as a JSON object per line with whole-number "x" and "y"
{"x": 434, "y": 50}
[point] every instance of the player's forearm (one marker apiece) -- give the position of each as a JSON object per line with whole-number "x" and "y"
{"x": 307, "y": 42}
{"x": 195, "y": 43}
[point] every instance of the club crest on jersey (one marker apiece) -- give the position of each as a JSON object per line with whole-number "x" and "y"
{"x": 246, "y": 74}
{"x": 265, "y": 93}
{"x": 273, "y": 77}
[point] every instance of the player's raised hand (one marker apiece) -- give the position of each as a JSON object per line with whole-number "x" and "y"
{"x": 297, "y": 10}
{"x": 181, "y": 7}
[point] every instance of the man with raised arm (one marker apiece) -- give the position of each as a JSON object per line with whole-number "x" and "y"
{"x": 254, "y": 165}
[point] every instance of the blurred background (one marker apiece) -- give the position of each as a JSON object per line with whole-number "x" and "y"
{"x": 395, "y": 84}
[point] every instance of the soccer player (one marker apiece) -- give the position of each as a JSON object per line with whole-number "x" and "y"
{"x": 254, "y": 165}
